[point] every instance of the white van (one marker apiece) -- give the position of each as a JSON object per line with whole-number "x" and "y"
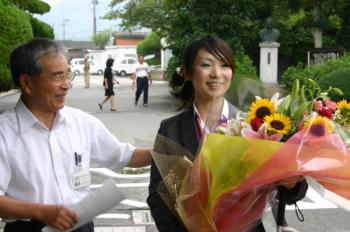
{"x": 77, "y": 66}
{"x": 124, "y": 66}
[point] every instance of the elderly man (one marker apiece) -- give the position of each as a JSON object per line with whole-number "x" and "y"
{"x": 46, "y": 147}
{"x": 141, "y": 74}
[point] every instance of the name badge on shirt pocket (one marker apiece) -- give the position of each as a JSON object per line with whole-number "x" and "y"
{"x": 81, "y": 178}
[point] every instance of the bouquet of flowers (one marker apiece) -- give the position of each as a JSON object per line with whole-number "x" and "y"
{"x": 238, "y": 169}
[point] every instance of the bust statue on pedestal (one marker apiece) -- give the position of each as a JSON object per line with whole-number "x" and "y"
{"x": 269, "y": 34}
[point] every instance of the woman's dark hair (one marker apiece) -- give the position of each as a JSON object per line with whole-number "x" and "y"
{"x": 214, "y": 45}
{"x": 25, "y": 59}
{"x": 109, "y": 62}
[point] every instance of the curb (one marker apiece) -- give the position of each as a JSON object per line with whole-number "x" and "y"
{"x": 12, "y": 91}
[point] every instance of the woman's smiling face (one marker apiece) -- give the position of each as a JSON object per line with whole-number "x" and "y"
{"x": 211, "y": 77}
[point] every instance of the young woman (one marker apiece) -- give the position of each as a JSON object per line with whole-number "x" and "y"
{"x": 108, "y": 84}
{"x": 206, "y": 75}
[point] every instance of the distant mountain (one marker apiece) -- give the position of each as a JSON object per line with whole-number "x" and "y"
{"x": 73, "y": 19}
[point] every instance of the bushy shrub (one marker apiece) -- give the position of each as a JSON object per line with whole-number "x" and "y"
{"x": 153, "y": 61}
{"x": 15, "y": 28}
{"x": 5, "y": 78}
{"x": 339, "y": 79}
{"x": 150, "y": 45}
{"x": 315, "y": 72}
{"x": 245, "y": 67}
{"x": 41, "y": 29}
{"x": 172, "y": 64}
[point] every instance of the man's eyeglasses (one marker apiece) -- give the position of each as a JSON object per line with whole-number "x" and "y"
{"x": 62, "y": 77}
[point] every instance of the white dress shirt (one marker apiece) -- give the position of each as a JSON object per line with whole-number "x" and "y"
{"x": 202, "y": 125}
{"x": 37, "y": 164}
{"x": 141, "y": 70}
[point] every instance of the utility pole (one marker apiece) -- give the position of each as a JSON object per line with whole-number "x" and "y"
{"x": 94, "y": 3}
{"x": 64, "y": 27}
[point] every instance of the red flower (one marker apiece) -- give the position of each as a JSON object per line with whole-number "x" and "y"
{"x": 256, "y": 123}
{"x": 326, "y": 112}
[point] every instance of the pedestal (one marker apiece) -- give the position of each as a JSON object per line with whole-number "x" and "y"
{"x": 269, "y": 62}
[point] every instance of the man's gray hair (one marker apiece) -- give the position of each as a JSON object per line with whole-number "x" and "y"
{"x": 25, "y": 58}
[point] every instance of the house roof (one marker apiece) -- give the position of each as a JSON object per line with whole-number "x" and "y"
{"x": 76, "y": 45}
{"x": 130, "y": 35}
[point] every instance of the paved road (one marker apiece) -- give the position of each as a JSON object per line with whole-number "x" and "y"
{"x": 139, "y": 125}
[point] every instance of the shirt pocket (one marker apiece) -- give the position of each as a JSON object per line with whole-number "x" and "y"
{"x": 82, "y": 158}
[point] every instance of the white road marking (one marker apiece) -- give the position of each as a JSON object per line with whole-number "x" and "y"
{"x": 123, "y": 185}
{"x": 317, "y": 202}
{"x": 134, "y": 203}
{"x": 114, "y": 215}
{"x": 110, "y": 173}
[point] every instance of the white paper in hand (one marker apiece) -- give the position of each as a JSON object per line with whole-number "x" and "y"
{"x": 96, "y": 203}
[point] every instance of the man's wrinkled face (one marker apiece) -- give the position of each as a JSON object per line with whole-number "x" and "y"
{"x": 50, "y": 88}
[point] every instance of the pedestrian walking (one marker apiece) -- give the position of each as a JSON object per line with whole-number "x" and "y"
{"x": 86, "y": 72}
{"x": 108, "y": 81}
{"x": 46, "y": 147}
{"x": 142, "y": 76}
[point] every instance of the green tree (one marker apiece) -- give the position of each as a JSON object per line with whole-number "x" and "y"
{"x": 17, "y": 25}
{"x": 180, "y": 21}
{"x": 32, "y": 6}
{"x": 15, "y": 28}
{"x": 319, "y": 16}
{"x": 150, "y": 45}
{"x": 102, "y": 38}
{"x": 137, "y": 13}
{"x": 41, "y": 29}
{"x": 343, "y": 35}
{"x": 238, "y": 22}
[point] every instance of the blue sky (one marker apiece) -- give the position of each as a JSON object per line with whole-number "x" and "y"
{"x": 78, "y": 16}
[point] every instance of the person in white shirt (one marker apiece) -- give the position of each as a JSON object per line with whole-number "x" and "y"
{"x": 142, "y": 75}
{"x": 46, "y": 147}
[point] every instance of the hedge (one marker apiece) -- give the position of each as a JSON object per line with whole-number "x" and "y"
{"x": 339, "y": 79}
{"x": 315, "y": 72}
{"x": 15, "y": 28}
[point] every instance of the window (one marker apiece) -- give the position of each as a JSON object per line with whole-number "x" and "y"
{"x": 131, "y": 61}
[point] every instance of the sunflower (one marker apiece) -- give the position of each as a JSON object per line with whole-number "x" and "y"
{"x": 278, "y": 123}
{"x": 319, "y": 126}
{"x": 343, "y": 104}
{"x": 261, "y": 108}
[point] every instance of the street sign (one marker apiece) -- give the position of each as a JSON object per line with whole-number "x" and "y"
{"x": 319, "y": 55}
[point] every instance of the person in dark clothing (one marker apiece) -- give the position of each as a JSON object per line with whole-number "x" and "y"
{"x": 206, "y": 75}
{"x": 108, "y": 84}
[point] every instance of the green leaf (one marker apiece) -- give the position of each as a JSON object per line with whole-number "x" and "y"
{"x": 337, "y": 91}
{"x": 302, "y": 94}
{"x": 284, "y": 105}
{"x": 298, "y": 115}
{"x": 295, "y": 89}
